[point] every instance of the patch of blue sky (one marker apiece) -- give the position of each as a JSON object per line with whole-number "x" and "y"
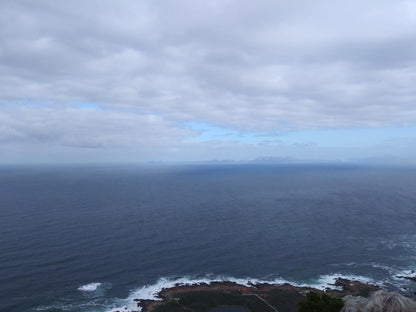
{"x": 86, "y": 105}
{"x": 343, "y": 137}
{"x": 210, "y": 132}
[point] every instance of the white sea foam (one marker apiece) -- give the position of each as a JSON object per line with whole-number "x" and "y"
{"x": 150, "y": 292}
{"x": 328, "y": 281}
{"x": 400, "y": 277}
{"x": 407, "y": 273}
{"x": 89, "y": 287}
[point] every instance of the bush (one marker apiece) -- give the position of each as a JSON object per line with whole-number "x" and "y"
{"x": 317, "y": 303}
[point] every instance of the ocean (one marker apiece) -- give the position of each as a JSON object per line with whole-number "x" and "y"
{"x": 93, "y": 238}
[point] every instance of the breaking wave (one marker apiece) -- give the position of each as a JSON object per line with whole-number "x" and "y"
{"x": 89, "y": 287}
{"x": 150, "y": 292}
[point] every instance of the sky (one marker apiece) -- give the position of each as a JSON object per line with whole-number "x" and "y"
{"x": 161, "y": 80}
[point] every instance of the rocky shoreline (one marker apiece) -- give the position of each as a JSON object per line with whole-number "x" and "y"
{"x": 251, "y": 297}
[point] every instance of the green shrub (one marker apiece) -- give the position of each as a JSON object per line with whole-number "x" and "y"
{"x": 317, "y": 303}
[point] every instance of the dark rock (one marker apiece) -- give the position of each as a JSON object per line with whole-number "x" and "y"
{"x": 410, "y": 278}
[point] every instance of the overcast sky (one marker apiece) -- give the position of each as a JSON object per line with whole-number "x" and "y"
{"x": 127, "y": 81}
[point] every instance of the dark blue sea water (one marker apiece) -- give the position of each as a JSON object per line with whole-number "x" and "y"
{"x": 95, "y": 238}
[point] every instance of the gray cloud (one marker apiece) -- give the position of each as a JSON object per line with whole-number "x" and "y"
{"x": 89, "y": 128}
{"x": 269, "y": 66}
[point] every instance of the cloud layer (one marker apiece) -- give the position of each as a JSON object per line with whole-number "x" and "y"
{"x": 154, "y": 66}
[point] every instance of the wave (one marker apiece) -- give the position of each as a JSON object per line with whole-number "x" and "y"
{"x": 97, "y": 301}
{"x": 402, "y": 280}
{"x": 89, "y": 287}
{"x": 328, "y": 281}
{"x": 150, "y": 292}
{"x": 75, "y": 306}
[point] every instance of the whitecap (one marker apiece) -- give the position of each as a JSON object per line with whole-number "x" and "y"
{"x": 407, "y": 273}
{"x": 328, "y": 281}
{"x": 89, "y": 287}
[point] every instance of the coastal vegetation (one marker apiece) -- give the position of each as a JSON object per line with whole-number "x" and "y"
{"x": 232, "y": 297}
{"x": 320, "y": 303}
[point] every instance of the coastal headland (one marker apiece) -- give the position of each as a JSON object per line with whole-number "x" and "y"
{"x": 233, "y": 297}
